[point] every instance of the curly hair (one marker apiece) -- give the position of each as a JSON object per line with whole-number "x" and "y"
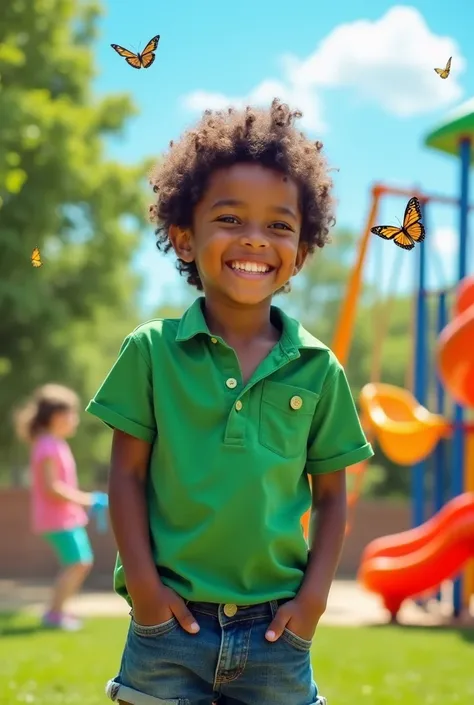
{"x": 222, "y": 139}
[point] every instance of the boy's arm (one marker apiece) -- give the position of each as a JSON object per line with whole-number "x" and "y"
{"x": 129, "y": 512}
{"x": 153, "y": 603}
{"x": 327, "y": 529}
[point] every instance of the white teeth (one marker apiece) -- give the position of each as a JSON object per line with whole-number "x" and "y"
{"x": 250, "y": 267}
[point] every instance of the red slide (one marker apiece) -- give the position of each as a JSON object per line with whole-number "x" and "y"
{"x": 455, "y": 359}
{"x": 410, "y": 563}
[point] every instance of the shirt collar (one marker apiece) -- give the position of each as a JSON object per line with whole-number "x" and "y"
{"x": 294, "y": 336}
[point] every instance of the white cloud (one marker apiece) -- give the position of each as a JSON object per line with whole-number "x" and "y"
{"x": 298, "y": 97}
{"x": 444, "y": 239}
{"x": 388, "y": 62}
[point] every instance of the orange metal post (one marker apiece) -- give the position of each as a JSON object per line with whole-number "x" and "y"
{"x": 342, "y": 338}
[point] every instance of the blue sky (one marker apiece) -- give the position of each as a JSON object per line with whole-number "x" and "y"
{"x": 367, "y": 90}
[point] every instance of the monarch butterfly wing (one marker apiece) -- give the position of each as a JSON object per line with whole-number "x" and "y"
{"x": 134, "y": 61}
{"x": 147, "y": 56}
{"x": 147, "y": 60}
{"x": 412, "y": 225}
{"x": 121, "y": 51}
{"x": 152, "y": 45}
{"x": 416, "y": 231}
{"x": 129, "y": 56}
{"x": 448, "y": 65}
{"x": 442, "y": 73}
{"x": 404, "y": 240}
{"x": 412, "y": 213}
{"x": 387, "y": 232}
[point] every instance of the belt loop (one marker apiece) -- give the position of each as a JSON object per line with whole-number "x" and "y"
{"x": 273, "y": 607}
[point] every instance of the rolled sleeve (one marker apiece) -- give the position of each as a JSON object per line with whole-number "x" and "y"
{"x": 337, "y": 439}
{"x": 125, "y": 399}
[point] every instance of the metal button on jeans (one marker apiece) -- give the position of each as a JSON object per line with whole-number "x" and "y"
{"x": 230, "y": 610}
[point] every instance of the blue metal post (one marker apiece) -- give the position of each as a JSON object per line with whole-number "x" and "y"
{"x": 440, "y": 450}
{"x": 420, "y": 381}
{"x": 457, "y": 484}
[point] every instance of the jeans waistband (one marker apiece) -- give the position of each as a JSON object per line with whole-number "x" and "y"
{"x": 230, "y": 610}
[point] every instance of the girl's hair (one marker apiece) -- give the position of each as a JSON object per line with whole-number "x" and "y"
{"x": 35, "y": 416}
{"x": 267, "y": 137}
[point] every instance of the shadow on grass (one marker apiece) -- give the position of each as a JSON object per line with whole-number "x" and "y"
{"x": 462, "y": 631}
{"x": 13, "y": 624}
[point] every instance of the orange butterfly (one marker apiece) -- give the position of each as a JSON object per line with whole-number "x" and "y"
{"x": 444, "y": 73}
{"x": 36, "y": 258}
{"x": 407, "y": 234}
{"x": 138, "y": 61}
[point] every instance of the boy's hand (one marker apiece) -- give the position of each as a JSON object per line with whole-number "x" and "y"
{"x": 299, "y": 616}
{"x": 161, "y": 605}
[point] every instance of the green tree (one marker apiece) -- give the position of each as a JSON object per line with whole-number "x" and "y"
{"x": 59, "y": 191}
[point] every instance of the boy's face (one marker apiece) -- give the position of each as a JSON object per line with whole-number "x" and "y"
{"x": 246, "y": 233}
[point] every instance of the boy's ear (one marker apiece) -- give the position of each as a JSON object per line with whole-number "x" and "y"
{"x": 182, "y": 242}
{"x": 300, "y": 257}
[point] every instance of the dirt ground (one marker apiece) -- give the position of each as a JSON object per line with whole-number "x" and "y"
{"x": 349, "y": 605}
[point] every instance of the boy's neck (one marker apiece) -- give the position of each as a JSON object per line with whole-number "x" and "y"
{"x": 236, "y": 325}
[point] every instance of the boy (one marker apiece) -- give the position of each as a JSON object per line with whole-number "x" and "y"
{"x": 219, "y": 418}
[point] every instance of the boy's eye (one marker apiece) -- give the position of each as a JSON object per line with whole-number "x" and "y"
{"x": 227, "y": 219}
{"x": 280, "y": 226}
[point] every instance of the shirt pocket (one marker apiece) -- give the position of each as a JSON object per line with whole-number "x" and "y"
{"x": 286, "y": 413}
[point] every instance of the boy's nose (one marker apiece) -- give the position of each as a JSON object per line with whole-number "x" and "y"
{"x": 254, "y": 238}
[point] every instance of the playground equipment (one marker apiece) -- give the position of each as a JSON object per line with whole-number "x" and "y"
{"x": 455, "y": 354}
{"x": 406, "y": 430}
{"x": 412, "y": 562}
{"x": 395, "y": 416}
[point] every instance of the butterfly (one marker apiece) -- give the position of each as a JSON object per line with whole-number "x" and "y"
{"x": 36, "y": 258}
{"x": 444, "y": 73}
{"x": 409, "y": 233}
{"x": 145, "y": 59}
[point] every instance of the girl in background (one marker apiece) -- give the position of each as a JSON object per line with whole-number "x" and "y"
{"x": 58, "y": 511}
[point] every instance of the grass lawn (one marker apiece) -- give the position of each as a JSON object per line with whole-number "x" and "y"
{"x": 377, "y": 666}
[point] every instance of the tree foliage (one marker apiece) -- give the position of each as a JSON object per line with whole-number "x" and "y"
{"x": 59, "y": 191}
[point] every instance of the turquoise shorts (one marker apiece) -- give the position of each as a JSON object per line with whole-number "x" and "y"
{"x": 71, "y": 546}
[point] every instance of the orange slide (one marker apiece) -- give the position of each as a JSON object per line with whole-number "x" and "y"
{"x": 410, "y": 563}
{"x": 455, "y": 344}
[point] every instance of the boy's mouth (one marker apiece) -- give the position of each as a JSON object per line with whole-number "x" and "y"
{"x": 249, "y": 268}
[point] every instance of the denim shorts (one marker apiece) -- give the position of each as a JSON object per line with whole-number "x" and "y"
{"x": 228, "y": 662}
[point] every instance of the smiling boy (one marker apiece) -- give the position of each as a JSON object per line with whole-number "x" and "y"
{"x": 219, "y": 419}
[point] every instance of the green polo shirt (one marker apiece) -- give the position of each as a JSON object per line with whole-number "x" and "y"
{"x": 228, "y": 475}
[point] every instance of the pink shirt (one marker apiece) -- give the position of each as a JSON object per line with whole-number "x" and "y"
{"x": 52, "y": 513}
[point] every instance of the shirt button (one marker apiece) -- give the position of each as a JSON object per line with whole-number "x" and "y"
{"x": 296, "y": 403}
{"x": 238, "y": 405}
{"x": 214, "y": 340}
{"x": 230, "y": 610}
{"x": 231, "y": 383}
